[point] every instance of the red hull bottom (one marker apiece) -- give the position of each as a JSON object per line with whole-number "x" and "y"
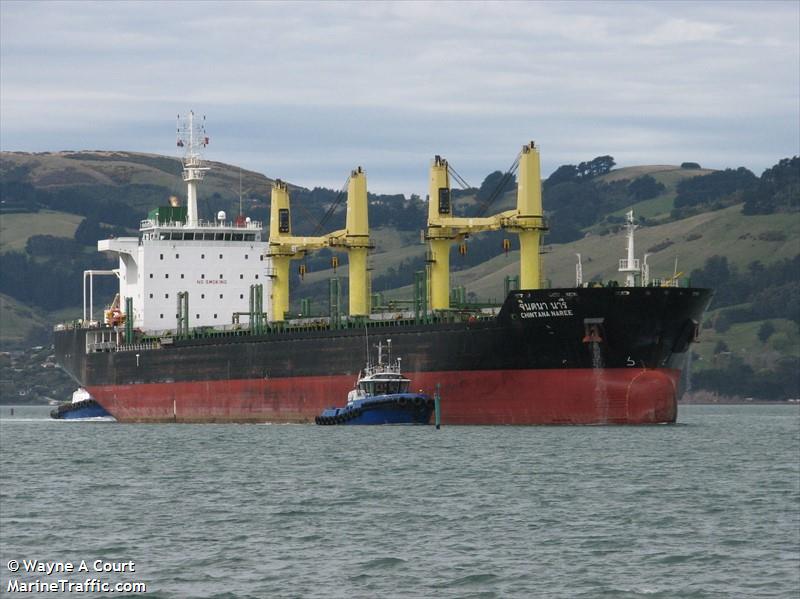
{"x": 570, "y": 396}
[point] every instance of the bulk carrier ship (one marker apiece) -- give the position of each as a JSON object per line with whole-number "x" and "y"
{"x": 199, "y": 331}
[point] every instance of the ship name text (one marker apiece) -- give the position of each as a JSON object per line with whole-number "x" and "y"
{"x": 544, "y": 309}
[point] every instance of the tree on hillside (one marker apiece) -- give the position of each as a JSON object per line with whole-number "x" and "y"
{"x": 565, "y": 173}
{"x": 645, "y": 187}
{"x": 765, "y": 331}
{"x": 594, "y": 168}
{"x": 496, "y": 184}
{"x": 778, "y": 189}
{"x": 708, "y": 189}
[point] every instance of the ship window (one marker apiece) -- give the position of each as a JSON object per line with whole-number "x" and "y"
{"x": 162, "y": 316}
{"x": 151, "y": 296}
{"x": 202, "y": 276}
{"x": 256, "y": 276}
{"x": 219, "y": 236}
{"x": 161, "y": 256}
{"x": 177, "y": 236}
{"x": 241, "y": 276}
{"x": 241, "y": 296}
{"x": 177, "y": 256}
{"x": 163, "y": 236}
{"x": 220, "y": 276}
{"x": 220, "y": 256}
{"x": 188, "y": 236}
{"x": 202, "y": 296}
{"x": 197, "y": 316}
{"x": 215, "y": 315}
{"x": 283, "y": 220}
{"x": 166, "y": 276}
{"x": 238, "y": 236}
{"x": 246, "y": 256}
{"x": 261, "y": 258}
{"x": 444, "y": 200}
{"x": 227, "y": 236}
{"x": 181, "y": 275}
{"x": 166, "y": 296}
{"x": 249, "y": 236}
{"x": 151, "y": 275}
{"x": 202, "y": 256}
{"x": 220, "y": 296}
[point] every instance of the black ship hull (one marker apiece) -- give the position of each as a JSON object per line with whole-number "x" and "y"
{"x": 583, "y": 356}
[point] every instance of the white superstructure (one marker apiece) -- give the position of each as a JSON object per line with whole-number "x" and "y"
{"x": 215, "y": 261}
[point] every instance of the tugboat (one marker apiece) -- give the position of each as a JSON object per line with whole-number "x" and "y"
{"x": 381, "y": 396}
{"x": 83, "y": 406}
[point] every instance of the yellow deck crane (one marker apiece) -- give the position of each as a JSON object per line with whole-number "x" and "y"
{"x": 354, "y": 238}
{"x": 444, "y": 229}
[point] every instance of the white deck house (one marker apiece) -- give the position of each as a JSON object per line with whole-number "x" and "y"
{"x": 215, "y": 262}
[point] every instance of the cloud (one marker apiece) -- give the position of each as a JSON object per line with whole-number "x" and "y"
{"x": 312, "y": 89}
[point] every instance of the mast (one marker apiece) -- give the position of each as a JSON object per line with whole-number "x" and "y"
{"x": 193, "y": 139}
{"x": 629, "y": 266}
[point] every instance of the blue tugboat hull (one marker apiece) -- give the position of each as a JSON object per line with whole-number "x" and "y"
{"x": 399, "y": 408}
{"x": 80, "y": 410}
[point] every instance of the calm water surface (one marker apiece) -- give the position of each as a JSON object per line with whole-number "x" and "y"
{"x": 706, "y": 508}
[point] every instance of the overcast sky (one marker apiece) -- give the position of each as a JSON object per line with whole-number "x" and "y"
{"x": 307, "y": 91}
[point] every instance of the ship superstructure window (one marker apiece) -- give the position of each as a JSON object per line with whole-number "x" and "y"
{"x": 215, "y": 315}
{"x": 166, "y": 276}
{"x": 197, "y": 316}
{"x": 177, "y": 256}
{"x": 241, "y": 276}
{"x": 220, "y": 296}
{"x": 151, "y": 296}
{"x": 202, "y": 276}
{"x": 161, "y": 316}
{"x": 219, "y": 236}
{"x": 283, "y": 220}
{"x": 245, "y": 256}
{"x": 220, "y": 256}
{"x": 256, "y": 276}
{"x": 238, "y": 236}
{"x": 188, "y": 236}
{"x": 151, "y": 275}
{"x": 181, "y": 275}
{"x": 161, "y": 256}
{"x": 166, "y": 296}
{"x": 241, "y": 296}
{"x": 202, "y": 256}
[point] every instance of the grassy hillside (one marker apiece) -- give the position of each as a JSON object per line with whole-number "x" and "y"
{"x": 15, "y": 229}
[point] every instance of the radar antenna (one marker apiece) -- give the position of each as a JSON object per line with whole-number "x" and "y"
{"x": 192, "y": 137}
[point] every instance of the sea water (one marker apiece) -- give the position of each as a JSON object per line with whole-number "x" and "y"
{"x": 709, "y": 507}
